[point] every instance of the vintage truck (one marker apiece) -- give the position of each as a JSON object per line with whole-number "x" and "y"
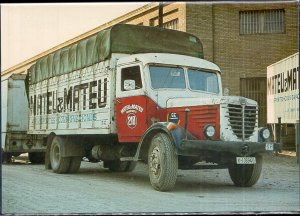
{"x": 135, "y": 93}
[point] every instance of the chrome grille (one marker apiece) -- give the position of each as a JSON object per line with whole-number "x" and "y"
{"x": 242, "y": 120}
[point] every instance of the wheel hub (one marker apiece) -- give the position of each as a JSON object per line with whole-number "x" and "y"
{"x": 155, "y": 161}
{"x": 56, "y": 154}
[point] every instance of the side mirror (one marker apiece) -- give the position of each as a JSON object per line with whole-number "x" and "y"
{"x": 129, "y": 85}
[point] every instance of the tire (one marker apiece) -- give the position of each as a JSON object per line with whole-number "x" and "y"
{"x": 6, "y": 157}
{"x": 74, "y": 164}
{"x": 59, "y": 164}
{"x": 246, "y": 175}
{"x": 162, "y": 163}
{"x": 130, "y": 166}
{"x": 36, "y": 157}
{"x": 120, "y": 166}
{"x": 47, "y": 155}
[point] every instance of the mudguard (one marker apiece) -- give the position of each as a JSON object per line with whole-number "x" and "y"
{"x": 175, "y": 132}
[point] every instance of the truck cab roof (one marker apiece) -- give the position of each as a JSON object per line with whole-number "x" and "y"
{"x": 169, "y": 59}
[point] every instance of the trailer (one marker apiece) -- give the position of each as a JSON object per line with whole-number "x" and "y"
{"x": 14, "y": 122}
{"x": 137, "y": 93}
{"x": 283, "y": 100}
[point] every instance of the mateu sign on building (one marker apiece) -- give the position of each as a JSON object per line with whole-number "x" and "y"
{"x": 283, "y": 90}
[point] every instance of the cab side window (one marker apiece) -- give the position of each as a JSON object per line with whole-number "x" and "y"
{"x": 131, "y": 78}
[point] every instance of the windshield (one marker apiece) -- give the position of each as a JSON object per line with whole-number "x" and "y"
{"x": 203, "y": 81}
{"x": 167, "y": 77}
{"x": 174, "y": 78}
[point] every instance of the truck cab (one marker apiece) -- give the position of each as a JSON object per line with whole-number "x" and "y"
{"x": 149, "y": 87}
{"x": 167, "y": 98}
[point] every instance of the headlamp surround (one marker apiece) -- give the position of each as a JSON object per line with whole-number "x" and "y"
{"x": 209, "y": 131}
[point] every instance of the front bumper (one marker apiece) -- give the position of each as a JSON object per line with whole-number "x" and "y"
{"x": 194, "y": 147}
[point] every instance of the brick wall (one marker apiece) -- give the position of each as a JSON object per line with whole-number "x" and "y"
{"x": 199, "y": 23}
{"x": 238, "y": 55}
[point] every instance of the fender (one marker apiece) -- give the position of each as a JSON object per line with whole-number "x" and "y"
{"x": 175, "y": 132}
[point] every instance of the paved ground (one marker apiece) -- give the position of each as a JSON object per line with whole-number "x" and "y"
{"x": 28, "y": 188}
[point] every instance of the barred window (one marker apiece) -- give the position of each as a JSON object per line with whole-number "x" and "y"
{"x": 255, "y": 89}
{"x": 173, "y": 24}
{"x": 262, "y": 21}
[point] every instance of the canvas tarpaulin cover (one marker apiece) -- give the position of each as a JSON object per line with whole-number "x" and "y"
{"x": 121, "y": 38}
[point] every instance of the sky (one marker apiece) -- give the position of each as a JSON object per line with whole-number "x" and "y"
{"x": 29, "y": 29}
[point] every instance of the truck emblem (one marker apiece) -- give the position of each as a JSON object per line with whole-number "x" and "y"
{"x": 173, "y": 117}
{"x": 131, "y": 120}
{"x": 131, "y": 110}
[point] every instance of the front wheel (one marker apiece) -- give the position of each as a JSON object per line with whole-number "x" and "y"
{"x": 162, "y": 163}
{"x": 246, "y": 175}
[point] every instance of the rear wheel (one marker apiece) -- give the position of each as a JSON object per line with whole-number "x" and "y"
{"x": 74, "y": 164}
{"x": 36, "y": 157}
{"x": 162, "y": 163}
{"x": 59, "y": 164}
{"x": 246, "y": 175}
{"x": 130, "y": 166}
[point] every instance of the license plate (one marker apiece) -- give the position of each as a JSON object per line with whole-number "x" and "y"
{"x": 245, "y": 160}
{"x": 269, "y": 146}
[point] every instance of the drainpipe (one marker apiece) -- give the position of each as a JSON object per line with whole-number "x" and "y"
{"x": 160, "y": 15}
{"x": 213, "y": 31}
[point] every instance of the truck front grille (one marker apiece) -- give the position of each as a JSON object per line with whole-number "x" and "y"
{"x": 242, "y": 120}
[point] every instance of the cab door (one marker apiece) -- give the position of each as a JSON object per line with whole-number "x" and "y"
{"x": 131, "y": 103}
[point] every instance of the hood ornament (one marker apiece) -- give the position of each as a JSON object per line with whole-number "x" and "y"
{"x": 243, "y": 101}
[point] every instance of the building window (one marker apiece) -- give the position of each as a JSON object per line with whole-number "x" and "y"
{"x": 255, "y": 88}
{"x": 262, "y": 21}
{"x": 173, "y": 24}
{"x": 152, "y": 22}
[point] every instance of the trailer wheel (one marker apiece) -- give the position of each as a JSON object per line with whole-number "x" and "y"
{"x": 120, "y": 166}
{"x": 59, "y": 164}
{"x": 162, "y": 163}
{"x": 246, "y": 175}
{"x": 36, "y": 157}
{"x": 74, "y": 164}
{"x": 6, "y": 157}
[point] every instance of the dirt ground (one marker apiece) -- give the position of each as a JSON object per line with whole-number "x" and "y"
{"x": 28, "y": 188}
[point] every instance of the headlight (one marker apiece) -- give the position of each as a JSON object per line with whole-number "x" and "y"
{"x": 209, "y": 131}
{"x": 265, "y": 133}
